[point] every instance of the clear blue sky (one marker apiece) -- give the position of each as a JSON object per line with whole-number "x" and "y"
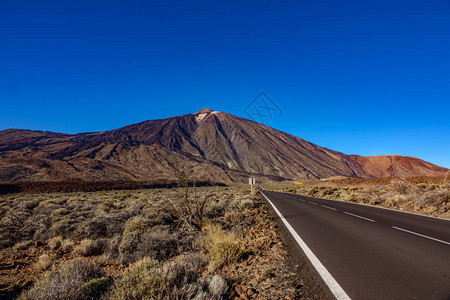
{"x": 361, "y": 77}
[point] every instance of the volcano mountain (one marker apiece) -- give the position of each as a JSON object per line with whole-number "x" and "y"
{"x": 207, "y": 145}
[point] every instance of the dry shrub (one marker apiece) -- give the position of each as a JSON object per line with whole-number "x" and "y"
{"x": 215, "y": 209}
{"x": 235, "y": 217}
{"x": 67, "y": 245}
{"x": 58, "y": 214}
{"x": 149, "y": 279}
{"x": 247, "y": 204}
{"x": 137, "y": 224}
{"x": 114, "y": 244}
{"x": 240, "y": 204}
{"x": 44, "y": 262}
{"x": 89, "y": 247}
{"x": 63, "y": 227}
{"x": 157, "y": 243}
{"x": 17, "y": 225}
{"x": 191, "y": 209}
{"x": 23, "y": 245}
{"x": 94, "y": 288}
{"x": 400, "y": 186}
{"x": 55, "y": 242}
{"x": 329, "y": 191}
{"x": 352, "y": 196}
{"x": 30, "y": 204}
{"x": 138, "y": 283}
{"x": 70, "y": 280}
{"x": 222, "y": 247}
{"x": 195, "y": 260}
{"x": 434, "y": 198}
{"x": 104, "y": 225}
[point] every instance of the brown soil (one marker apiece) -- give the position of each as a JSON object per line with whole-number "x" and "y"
{"x": 267, "y": 273}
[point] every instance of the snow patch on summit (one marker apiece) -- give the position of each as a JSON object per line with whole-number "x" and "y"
{"x": 200, "y": 117}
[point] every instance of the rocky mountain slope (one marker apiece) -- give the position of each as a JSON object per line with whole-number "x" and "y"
{"x": 396, "y": 165}
{"x": 207, "y": 145}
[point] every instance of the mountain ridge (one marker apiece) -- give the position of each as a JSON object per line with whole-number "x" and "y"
{"x": 207, "y": 145}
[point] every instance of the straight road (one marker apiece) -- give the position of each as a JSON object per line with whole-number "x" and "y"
{"x": 365, "y": 252}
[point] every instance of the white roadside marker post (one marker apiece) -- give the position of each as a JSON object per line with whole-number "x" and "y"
{"x": 251, "y": 181}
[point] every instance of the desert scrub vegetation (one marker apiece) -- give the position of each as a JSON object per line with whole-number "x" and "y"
{"x": 74, "y": 279}
{"x": 178, "y": 279}
{"x": 424, "y": 195}
{"x": 223, "y": 247}
{"x": 172, "y": 243}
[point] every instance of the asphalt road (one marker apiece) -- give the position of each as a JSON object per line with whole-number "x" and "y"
{"x": 365, "y": 252}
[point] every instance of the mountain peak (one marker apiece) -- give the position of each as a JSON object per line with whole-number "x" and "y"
{"x": 204, "y": 111}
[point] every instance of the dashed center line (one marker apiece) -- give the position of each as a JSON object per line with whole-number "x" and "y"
{"x": 328, "y": 207}
{"x": 361, "y": 217}
{"x": 425, "y": 236}
{"x": 370, "y": 220}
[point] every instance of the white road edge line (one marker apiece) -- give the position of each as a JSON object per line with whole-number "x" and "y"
{"x": 425, "y": 236}
{"x": 328, "y": 207}
{"x": 312, "y": 202}
{"x": 332, "y": 284}
{"x": 361, "y": 217}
